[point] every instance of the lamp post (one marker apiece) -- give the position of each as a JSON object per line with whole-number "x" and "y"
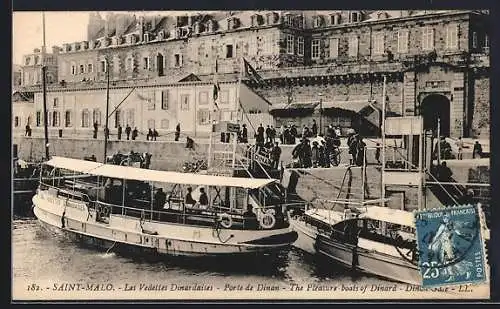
{"x": 320, "y": 113}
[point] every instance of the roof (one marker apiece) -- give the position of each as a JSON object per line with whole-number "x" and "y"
{"x": 351, "y": 105}
{"x": 132, "y": 173}
{"x": 394, "y": 216}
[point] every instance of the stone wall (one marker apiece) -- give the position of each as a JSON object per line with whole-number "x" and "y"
{"x": 481, "y": 107}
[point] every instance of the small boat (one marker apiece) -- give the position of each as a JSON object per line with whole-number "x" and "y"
{"x": 113, "y": 205}
{"x": 373, "y": 239}
{"x": 25, "y": 182}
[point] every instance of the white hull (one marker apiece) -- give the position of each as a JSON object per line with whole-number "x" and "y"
{"x": 370, "y": 261}
{"x": 161, "y": 237}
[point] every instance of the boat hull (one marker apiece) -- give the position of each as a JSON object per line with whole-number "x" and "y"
{"x": 162, "y": 238}
{"x": 369, "y": 261}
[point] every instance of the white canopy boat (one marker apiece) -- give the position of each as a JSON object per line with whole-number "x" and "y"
{"x": 123, "y": 206}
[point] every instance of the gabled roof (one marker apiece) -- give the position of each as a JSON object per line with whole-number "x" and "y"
{"x": 190, "y": 78}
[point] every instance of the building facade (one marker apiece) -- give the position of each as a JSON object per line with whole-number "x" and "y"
{"x": 31, "y": 69}
{"x": 326, "y": 65}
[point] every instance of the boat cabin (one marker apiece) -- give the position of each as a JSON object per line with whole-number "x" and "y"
{"x": 193, "y": 199}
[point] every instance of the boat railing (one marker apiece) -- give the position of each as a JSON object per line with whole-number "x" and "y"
{"x": 183, "y": 214}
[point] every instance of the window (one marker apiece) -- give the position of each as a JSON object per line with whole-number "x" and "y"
{"x": 103, "y": 66}
{"x": 130, "y": 64}
{"x": 151, "y": 124}
{"x": 203, "y": 98}
{"x": 118, "y": 118}
{"x": 185, "y": 102}
{"x": 164, "y": 99}
{"x": 55, "y": 119}
{"x": 177, "y": 60}
{"x": 229, "y": 50}
{"x": 353, "y": 46}
{"x": 224, "y": 97}
{"x": 67, "y": 119}
{"x": 254, "y": 20}
{"x": 90, "y": 68}
{"x": 203, "y": 117}
{"x": 474, "y": 39}
{"x": 300, "y": 46}
{"x": 145, "y": 62}
{"x": 402, "y": 41}
{"x": 56, "y": 102}
{"x": 146, "y": 37}
{"x": 334, "y": 48}
{"x": 85, "y": 118}
{"x": 289, "y": 20}
{"x": 82, "y": 69}
{"x": 355, "y": 17}
{"x": 165, "y": 124}
{"x": 427, "y": 38}
{"x": 315, "y": 49}
{"x": 38, "y": 118}
{"x": 335, "y": 19}
{"x": 131, "y": 117}
{"x": 267, "y": 44}
{"x": 452, "y": 37}
{"x": 96, "y": 116}
{"x": 378, "y": 44}
{"x": 317, "y": 21}
{"x": 16, "y": 121}
{"x": 289, "y": 44}
{"x": 73, "y": 69}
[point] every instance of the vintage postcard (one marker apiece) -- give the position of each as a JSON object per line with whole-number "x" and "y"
{"x": 251, "y": 155}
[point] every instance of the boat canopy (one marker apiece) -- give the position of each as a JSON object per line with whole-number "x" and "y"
{"x": 386, "y": 214}
{"x": 133, "y": 173}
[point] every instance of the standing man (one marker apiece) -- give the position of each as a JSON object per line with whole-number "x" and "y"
{"x": 155, "y": 134}
{"x": 314, "y": 128}
{"x": 150, "y": 134}
{"x": 268, "y": 134}
{"x": 460, "y": 146}
{"x": 275, "y": 155}
{"x": 244, "y": 134}
{"x": 28, "y": 130}
{"x": 177, "y": 132}
{"x": 106, "y": 133}
{"x": 128, "y": 129}
{"x": 95, "y": 129}
{"x": 477, "y": 150}
{"x": 120, "y": 132}
{"x": 134, "y": 134}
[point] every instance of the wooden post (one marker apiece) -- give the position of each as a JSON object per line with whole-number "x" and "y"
{"x": 382, "y": 170}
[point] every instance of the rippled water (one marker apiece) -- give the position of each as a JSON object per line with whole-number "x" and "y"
{"x": 43, "y": 256}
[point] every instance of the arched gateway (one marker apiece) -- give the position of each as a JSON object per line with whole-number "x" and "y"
{"x": 434, "y": 107}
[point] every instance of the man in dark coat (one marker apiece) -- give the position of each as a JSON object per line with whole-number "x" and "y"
{"x": 155, "y": 134}
{"x": 120, "y": 132}
{"x": 477, "y": 150}
{"x": 275, "y": 155}
{"x": 177, "y": 132}
{"x": 150, "y": 135}
{"x": 95, "y": 129}
{"x": 134, "y": 134}
{"x": 314, "y": 128}
{"x": 360, "y": 151}
{"x": 128, "y": 129}
{"x": 244, "y": 134}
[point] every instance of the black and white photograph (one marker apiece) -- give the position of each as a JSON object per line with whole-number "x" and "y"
{"x": 251, "y": 155}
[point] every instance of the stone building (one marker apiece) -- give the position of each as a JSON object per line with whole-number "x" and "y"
{"x": 31, "y": 69}
{"x": 16, "y": 76}
{"x": 326, "y": 65}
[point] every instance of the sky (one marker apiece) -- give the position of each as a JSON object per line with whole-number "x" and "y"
{"x": 60, "y": 27}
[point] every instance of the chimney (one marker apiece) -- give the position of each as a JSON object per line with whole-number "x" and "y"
{"x": 96, "y": 24}
{"x": 141, "y": 28}
{"x": 121, "y": 23}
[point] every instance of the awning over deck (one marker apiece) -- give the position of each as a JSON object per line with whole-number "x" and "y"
{"x": 294, "y": 106}
{"x": 394, "y": 216}
{"x": 133, "y": 173}
{"x": 351, "y": 105}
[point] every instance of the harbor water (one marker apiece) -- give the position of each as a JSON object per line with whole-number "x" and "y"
{"x": 39, "y": 255}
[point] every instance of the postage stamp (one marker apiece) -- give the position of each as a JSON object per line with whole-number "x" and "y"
{"x": 451, "y": 248}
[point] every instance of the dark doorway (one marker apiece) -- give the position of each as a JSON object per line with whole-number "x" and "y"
{"x": 434, "y": 107}
{"x": 159, "y": 61}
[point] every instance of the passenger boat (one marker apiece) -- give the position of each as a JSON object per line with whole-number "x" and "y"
{"x": 373, "y": 239}
{"x": 366, "y": 234}
{"x": 24, "y": 185}
{"x": 113, "y": 205}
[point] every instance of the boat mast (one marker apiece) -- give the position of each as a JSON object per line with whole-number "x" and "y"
{"x": 44, "y": 92}
{"x": 382, "y": 130}
{"x": 106, "y": 130}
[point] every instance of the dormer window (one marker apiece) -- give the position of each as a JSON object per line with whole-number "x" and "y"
{"x": 317, "y": 21}
{"x": 382, "y": 15}
{"x": 355, "y": 17}
{"x": 146, "y": 37}
{"x": 271, "y": 18}
{"x": 211, "y": 26}
{"x": 256, "y": 20}
{"x": 289, "y": 20}
{"x": 300, "y": 22}
{"x": 232, "y": 23}
{"x": 335, "y": 19}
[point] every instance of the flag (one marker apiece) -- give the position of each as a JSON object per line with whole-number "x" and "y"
{"x": 251, "y": 73}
